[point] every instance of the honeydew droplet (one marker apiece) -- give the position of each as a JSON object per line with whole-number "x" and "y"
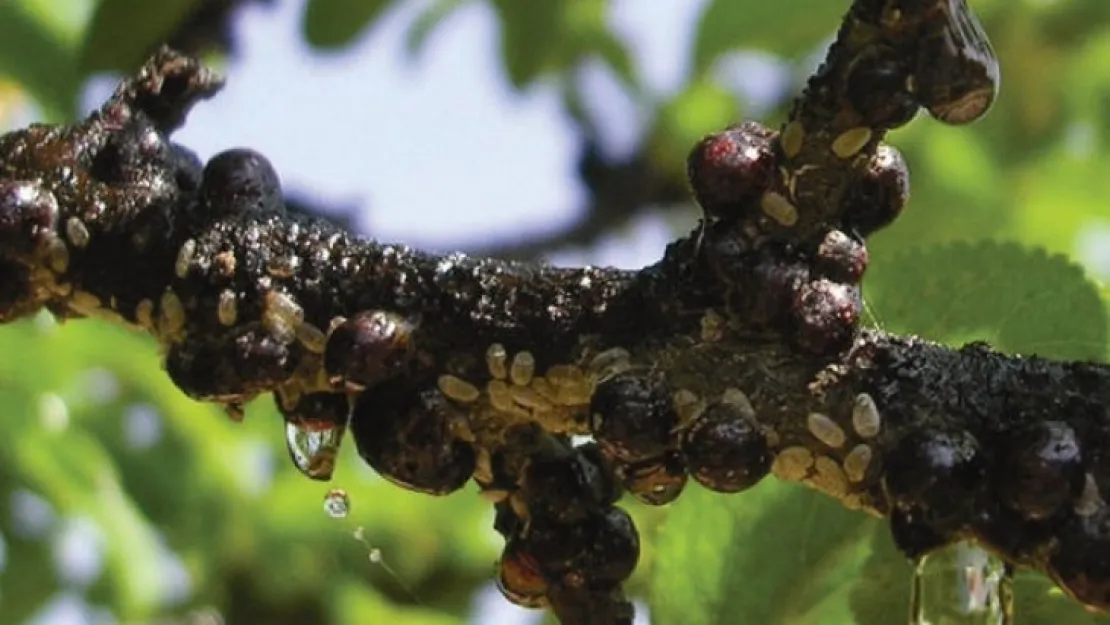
{"x": 313, "y": 446}
{"x": 337, "y": 503}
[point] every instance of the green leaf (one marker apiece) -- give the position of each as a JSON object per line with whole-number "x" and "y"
{"x": 330, "y": 24}
{"x": 427, "y": 23}
{"x": 1037, "y": 601}
{"x": 786, "y": 28}
{"x": 83, "y": 481}
{"x": 588, "y": 35}
{"x": 36, "y": 50}
{"x": 530, "y": 32}
{"x": 882, "y": 588}
{"x": 1017, "y": 298}
{"x": 777, "y": 554}
{"x": 124, "y": 32}
{"x": 702, "y": 107}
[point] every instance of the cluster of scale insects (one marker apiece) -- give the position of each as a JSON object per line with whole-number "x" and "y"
{"x": 508, "y": 425}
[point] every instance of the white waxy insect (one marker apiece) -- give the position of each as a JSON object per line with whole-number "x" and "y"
{"x": 458, "y": 389}
{"x": 77, "y": 232}
{"x": 793, "y": 463}
{"x": 610, "y": 363}
{"x": 522, "y": 368}
{"x": 84, "y": 302}
{"x": 227, "y": 307}
{"x": 866, "y": 420}
{"x": 500, "y": 397}
{"x": 312, "y": 338}
{"x": 497, "y": 361}
{"x": 1089, "y": 501}
{"x": 526, "y": 396}
{"x": 829, "y": 478}
{"x": 144, "y": 313}
{"x": 778, "y": 208}
{"x": 851, "y": 141}
{"x": 857, "y": 461}
{"x": 185, "y": 257}
{"x": 172, "y": 314}
{"x": 57, "y": 255}
{"x": 282, "y": 315}
{"x": 739, "y": 399}
{"x": 826, "y": 430}
{"x": 687, "y": 404}
{"x": 791, "y": 139}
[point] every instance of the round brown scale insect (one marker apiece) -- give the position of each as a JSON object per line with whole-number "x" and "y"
{"x": 1081, "y": 562}
{"x": 246, "y": 361}
{"x": 841, "y": 258}
{"x": 655, "y": 482}
{"x": 632, "y": 417}
{"x": 598, "y": 553}
{"x": 240, "y": 180}
{"x": 1004, "y": 531}
{"x": 519, "y": 578}
{"x": 771, "y": 288}
{"x": 368, "y": 348}
{"x": 1041, "y": 469}
{"x": 880, "y": 194}
{"x": 405, "y": 435}
{"x": 826, "y": 313}
{"x": 938, "y": 473}
{"x": 878, "y": 88}
{"x": 725, "y": 449}
{"x": 187, "y": 167}
{"x": 730, "y": 168}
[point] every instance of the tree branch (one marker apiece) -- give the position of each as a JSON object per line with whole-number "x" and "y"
{"x": 736, "y": 355}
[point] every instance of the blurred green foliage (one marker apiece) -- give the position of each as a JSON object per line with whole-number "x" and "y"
{"x": 94, "y": 435}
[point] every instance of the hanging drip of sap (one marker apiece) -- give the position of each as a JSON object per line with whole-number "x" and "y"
{"x": 337, "y": 503}
{"x": 313, "y": 445}
{"x": 961, "y": 584}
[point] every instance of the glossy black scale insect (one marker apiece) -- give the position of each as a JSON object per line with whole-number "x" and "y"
{"x": 405, "y": 434}
{"x": 240, "y": 180}
{"x": 725, "y": 449}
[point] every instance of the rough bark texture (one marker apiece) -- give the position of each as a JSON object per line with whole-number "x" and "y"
{"x": 736, "y": 355}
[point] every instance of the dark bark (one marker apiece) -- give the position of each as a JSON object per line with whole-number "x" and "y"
{"x": 752, "y": 319}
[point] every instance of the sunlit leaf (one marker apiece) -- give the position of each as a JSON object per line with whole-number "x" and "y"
{"x": 702, "y": 107}
{"x": 786, "y": 27}
{"x": 530, "y": 33}
{"x": 37, "y": 52}
{"x": 1019, "y": 299}
{"x": 124, "y": 32}
{"x": 776, "y": 554}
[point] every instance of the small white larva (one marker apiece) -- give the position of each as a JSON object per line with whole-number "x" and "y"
{"x": 826, "y": 430}
{"x": 851, "y": 141}
{"x": 778, "y": 208}
{"x": 866, "y": 420}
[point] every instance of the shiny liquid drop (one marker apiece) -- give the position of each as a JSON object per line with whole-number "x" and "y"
{"x": 961, "y": 584}
{"x": 313, "y": 446}
{"x": 337, "y": 503}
